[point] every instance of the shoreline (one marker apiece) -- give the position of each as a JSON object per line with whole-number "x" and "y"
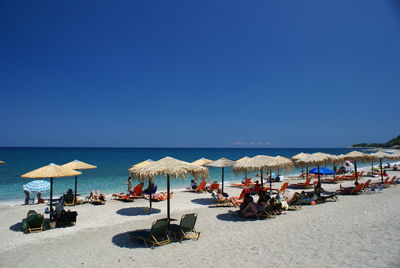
{"x": 225, "y": 240}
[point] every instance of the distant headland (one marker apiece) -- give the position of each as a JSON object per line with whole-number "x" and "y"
{"x": 393, "y": 143}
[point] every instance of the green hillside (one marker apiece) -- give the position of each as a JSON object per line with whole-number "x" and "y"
{"x": 393, "y": 143}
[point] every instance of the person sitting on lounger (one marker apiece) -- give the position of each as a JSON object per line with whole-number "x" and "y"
{"x": 193, "y": 185}
{"x": 220, "y": 198}
{"x": 161, "y": 196}
{"x": 395, "y": 167}
{"x": 387, "y": 165}
{"x": 39, "y": 198}
{"x": 257, "y": 187}
{"x": 27, "y": 197}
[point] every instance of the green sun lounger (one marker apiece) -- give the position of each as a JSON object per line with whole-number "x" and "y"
{"x": 157, "y": 235}
{"x": 186, "y": 229}
{"x": 34, "y": 222}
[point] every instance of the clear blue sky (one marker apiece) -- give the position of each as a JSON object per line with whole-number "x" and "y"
{"x": 292, "y": 73}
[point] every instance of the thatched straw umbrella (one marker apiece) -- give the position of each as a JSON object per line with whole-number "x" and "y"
{"x": 260, "y": 163}
{"x": 51, "y": 171}
{"x": 356, "y": 156}
{"x": 202, "y": 161}
{"x": 382, "y": 155}
{"x": 312, "y": 160}
{"x": 140, "y": 165}
{"x": 284, "y": 160}
{"x": 241, "y": 160}
{"x": 77, "y": 165}
{"x": 222, "y": 163}
{"x": 299, "y": 156}
{"x": 169, "y": 167}
{"x": 143, "y": 163}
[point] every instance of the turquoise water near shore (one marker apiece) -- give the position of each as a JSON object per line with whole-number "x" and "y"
{"x": 113, "y": 163}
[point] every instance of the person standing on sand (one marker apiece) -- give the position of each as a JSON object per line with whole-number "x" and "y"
{"x": 129, "y": 182}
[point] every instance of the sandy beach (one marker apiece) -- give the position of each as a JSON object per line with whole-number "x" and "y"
{"x": 356, "y": 231}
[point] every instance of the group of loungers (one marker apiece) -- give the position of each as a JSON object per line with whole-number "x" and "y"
{"x": 161, "y": 231}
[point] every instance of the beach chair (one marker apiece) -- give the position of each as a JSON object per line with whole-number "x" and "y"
{"x": 157, "y": 235}
{"x": 301, "y": 185}
{"x": 136, "y": 193}
{"x": 282, "y": 189}
{"x": 351, "y": 190}
{"x": 186, "y": 229}
{"x": 34, "y": 222}
{"x": 67, "y": 218}
{"x": 335, "y": 180}
{"x": 247, "y": 182}
{"x": 390, "y": 183}
{"x": 200, "y": 188}
{"x": 349, "y": 178}
{"x": 214, "y": 186}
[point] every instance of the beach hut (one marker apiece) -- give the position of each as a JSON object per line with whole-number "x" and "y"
{"x": 139, "y": 165}
{"x": 222, "y": 163}
{"x": 261, "y": 163}
{"x": 51, "y": 171}
{"x": 313, "y": 159}
{"x": 356, "y": 156}
{"x": 169, "y": 167}
{"x": 202, "y": 161}
{"x": 77, "y": 165}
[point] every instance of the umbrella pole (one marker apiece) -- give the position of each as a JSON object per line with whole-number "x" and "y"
{"x": 372, "y": 167}
{"x": 168, "y": 199}
{"x": 355, "y": 170}
{"x": 278, "y": 172}
{"x": 270, "y": 179}
{"x": 76, "y": 188}
{"x": 223, "y": 179}
{"x": 380, "y": 164}
{"x": 51, "y": 198}
{"x": 150, "y": 195}
{"x": 262, "y": 181}
{"x": 319, "y": 180}
{"x": 302, "y": 169}
{"x": 307, "y": 172}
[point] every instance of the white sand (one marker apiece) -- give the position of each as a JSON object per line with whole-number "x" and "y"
{"x": 356, "y": 231}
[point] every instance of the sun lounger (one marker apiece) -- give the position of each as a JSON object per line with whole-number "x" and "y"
{"x": 68, "y": 198}
{"x": 351, "y": 190}
{"x": 200, "y": 189}
{"x": 246, "y": 183}
{"x": 390, "y": 183}
{"x": 67, "y": 218}
{"x": 282, "y": 189}
{"x": 301, "y": 185}
{"x": 186, "y": 229}
{"x": 335, "y": 180}
{"x": 34, "y": 222}
{"x": 157, "y": 235}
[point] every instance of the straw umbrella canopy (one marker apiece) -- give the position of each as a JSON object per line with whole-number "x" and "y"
{"x": 313, "y": 159}
{"x": 260, "y": 163}
{"x": 241, "y": 160}
{"x": 356, "y": 156}
{"x": 143, "y": 163}
{"x": 169, "y": 167}
{"x": 140, "y": 165}
{"x": 222, "y": 163}
{"x": 299, "y": 156}
{"x": 78, "y": 165}
{"x": 284, "y": 160}
{"x": 202, "y": 161}
{"x": 379, "y": 156}
{"x": 51, "y": 171}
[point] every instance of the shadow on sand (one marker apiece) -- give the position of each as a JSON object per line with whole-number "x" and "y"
{"x": 126, "y": 240}
{"x": 137, "y": 211}
{"x": 16, "y": 227}
{"x": 230, "y": 216}
{"x": 203, "y": 201}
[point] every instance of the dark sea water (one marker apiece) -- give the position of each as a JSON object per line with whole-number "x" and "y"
{"x": 113, "y": 164}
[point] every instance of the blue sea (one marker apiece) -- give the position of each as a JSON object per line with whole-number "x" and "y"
{"x": 113, "y": 163}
